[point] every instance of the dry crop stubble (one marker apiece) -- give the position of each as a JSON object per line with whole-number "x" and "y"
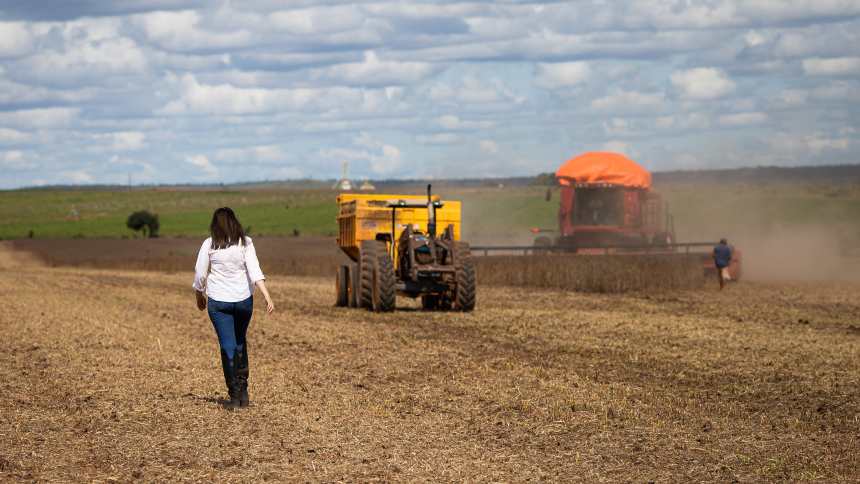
{"x": 115, "y": 375}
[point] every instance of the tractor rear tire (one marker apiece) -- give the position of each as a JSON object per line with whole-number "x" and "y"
{"x": 367, "y": 273}
{"x": 465, "y": 292}
{"x": 384, "y": 295}
{"x": 377, "y": 277}
{"x": 354, "y": 285}
{"x": 342, "y": 287}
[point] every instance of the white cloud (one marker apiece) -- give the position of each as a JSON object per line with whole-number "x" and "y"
{"x": 754, "y": 38}
{"x": 616, "y": 146}
{"x": 124, "y": 140}
{"x": 437, "y": 139}
{"x": 384, "y": 159}
{"x": 804, "y": 145}
{"x": 488, "y": 146}
{"x": 702, "y": 83}
{"x": 198, "y": 98}
{"x": 454, "y": 123}
{"x": 617, "y": 127}
{"x": 15, "y": 92}
{"x": 562, "y": 74}
{"x": 77, "y": 177}
{"x": 840, "y": 66}
{"x": 12, "y": 136}
{"x": 793, "y": 97}
{"x": 15, "y": 160}
{"x": 838, "y": 91}
{"x": 743, "y": 119}
{"x": 202, "y": 163}
{"x": 472, "y": 90}
{"x": 228, "y": 99}
{"x": 375, "y": 72}
{"x": 39, "y": 118}
{"x": 182, "y": 31}
{"x": 628, "y": 101}
{"x": 85, "y": 61}
{"x": 15, "y": 39}
{"x": 261, "y": 153}
{"x": 317, "y": 20}
{"x": 818, "y": 143}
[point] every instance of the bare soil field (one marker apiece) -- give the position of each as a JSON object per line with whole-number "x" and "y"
{"x": 114, "y": 376}
{"x": 301, "y": 256}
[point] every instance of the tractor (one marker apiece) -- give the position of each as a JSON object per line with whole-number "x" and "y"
{"x": 395, "y": 249}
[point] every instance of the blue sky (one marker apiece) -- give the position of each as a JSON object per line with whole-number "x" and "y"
{"x": 216, "y": 91}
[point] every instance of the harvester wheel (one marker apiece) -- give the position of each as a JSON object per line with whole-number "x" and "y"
{"x": 354, "y": 285}
{"x": 384, "y": 295}
{"x": 465, "y": 292}
{"x": 367, "y": 271}
{"x": 342, "y": 286}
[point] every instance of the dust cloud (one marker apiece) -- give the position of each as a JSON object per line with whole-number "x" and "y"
{"x": 798, "y": 253}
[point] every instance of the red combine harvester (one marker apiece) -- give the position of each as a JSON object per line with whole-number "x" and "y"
{"x": 607, "y": 207}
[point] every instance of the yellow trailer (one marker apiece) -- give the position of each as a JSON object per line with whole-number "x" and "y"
{"x": 395, "y": 248}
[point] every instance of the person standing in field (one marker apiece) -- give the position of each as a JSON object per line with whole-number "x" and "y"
{"x": 722, "y": 259}
{"x": 226, "y": 273}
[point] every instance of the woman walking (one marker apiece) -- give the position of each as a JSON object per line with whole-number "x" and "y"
{"x": 226, "y": 273}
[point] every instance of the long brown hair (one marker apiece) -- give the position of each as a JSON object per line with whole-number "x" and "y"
{"x": 226, "y": 229}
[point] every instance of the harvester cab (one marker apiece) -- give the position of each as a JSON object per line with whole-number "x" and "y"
{"x": 393, "y": 243}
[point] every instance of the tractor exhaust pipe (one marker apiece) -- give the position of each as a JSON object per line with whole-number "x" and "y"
{"x": 431, "y": 213}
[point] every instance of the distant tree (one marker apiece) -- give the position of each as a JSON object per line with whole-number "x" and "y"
{"x": 544, "y": 179}
{"x": 144, "y": 222}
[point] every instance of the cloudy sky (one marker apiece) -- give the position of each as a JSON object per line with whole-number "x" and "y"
{"x": 197, "y": 91}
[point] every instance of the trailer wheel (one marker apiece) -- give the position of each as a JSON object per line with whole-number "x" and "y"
{"x": 367, "y": 270}
{"x": 465, "y": 292}
{"x": 384, "y": 295}
{"x": 354, "y": 286}
{"x": 342, "y": 286}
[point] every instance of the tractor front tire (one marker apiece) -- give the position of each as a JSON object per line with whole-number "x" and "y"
{"x": 465, "y": 292}
{"x": 342, "y": 287}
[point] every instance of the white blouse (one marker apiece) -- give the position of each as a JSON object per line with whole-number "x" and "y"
{"x": 227, "y": 275}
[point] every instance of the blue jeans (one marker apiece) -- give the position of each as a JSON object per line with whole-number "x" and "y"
{"x": 231, "y": 320}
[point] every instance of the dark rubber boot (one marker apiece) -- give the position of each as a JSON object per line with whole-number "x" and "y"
{"x": 229, "y": 366}
{"x": 242, "y": 374}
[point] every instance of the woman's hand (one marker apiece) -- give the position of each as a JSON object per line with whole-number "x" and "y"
{"x": 270, "y": 306}
{"x": 201, "y": 300}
